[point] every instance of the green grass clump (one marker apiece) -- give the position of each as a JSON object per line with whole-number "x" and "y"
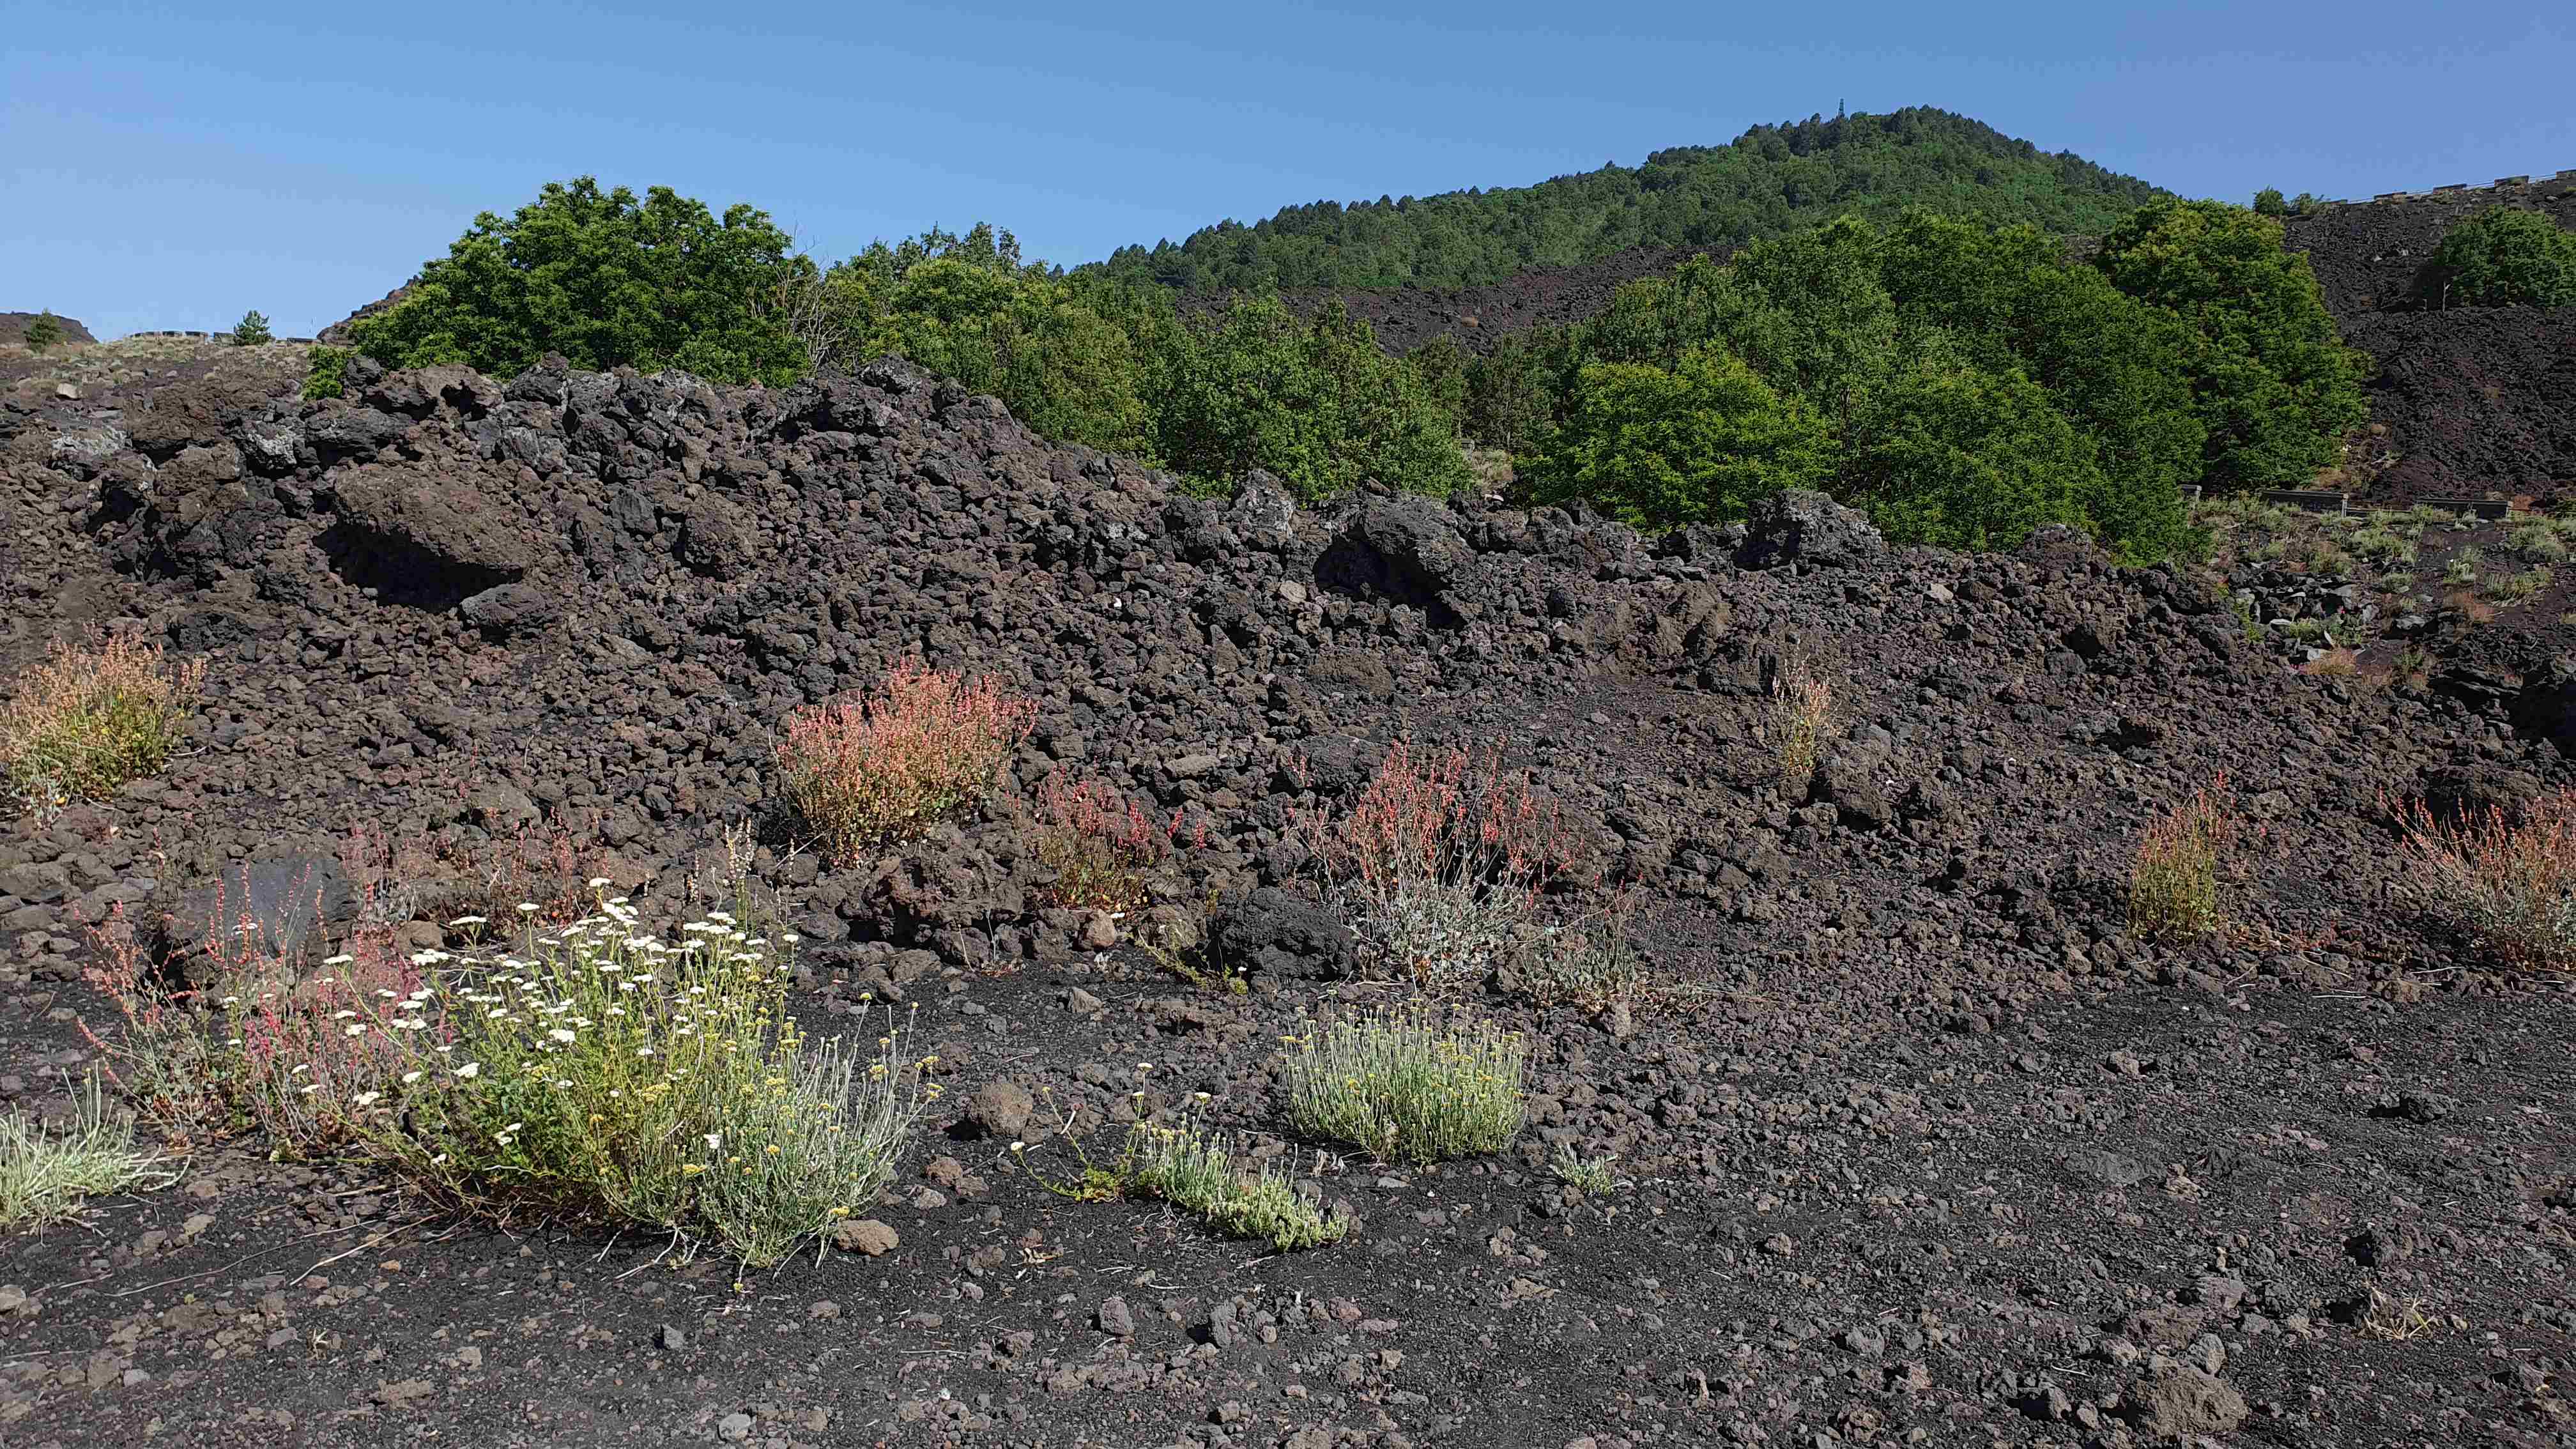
{"x": 2384, "y": 546}
{"x": 1591, "y": 1176}
{"x": 2538, "y": 541}
{"x": 2463, "y": 566}
{"x": 89, "y": 719}
{"x": 1402, "y": 1086}
{"x": 2514, "y": 588}
{"x": 46, "y": 1173}
{"x": 1186, "y": 1167}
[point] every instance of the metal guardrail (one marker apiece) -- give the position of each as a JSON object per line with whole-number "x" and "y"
{"x": 2490, "y": 509}
{"x": 2311, "y": 500}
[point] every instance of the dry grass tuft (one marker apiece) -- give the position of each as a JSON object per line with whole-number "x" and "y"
{"x": 91, "y": 718}
{"x": 1802, "y": 706}
{"x": 867, "y": 773}
{"x": 2505, "y": 879}
{"x": 2173, "y": 884}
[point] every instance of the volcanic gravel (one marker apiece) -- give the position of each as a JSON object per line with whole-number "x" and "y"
{"x": 1915, "y": 1143}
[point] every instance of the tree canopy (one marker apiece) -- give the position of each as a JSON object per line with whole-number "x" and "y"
{"x": 2272, "y": 382}
{"x": 1771, "y": 181}
{"x": 607, "y": 280}
{"x": 2507, "y": 257}
{"x": 1964, "y": 383}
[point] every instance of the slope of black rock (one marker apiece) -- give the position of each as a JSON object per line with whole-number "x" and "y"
{"x": 1916, "y": 1136}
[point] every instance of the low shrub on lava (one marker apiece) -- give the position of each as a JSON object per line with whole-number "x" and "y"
{"x": 2173, "y": 884}
{"x": 1403, "y": 1086}
{"x": 2505, "y": 879}
{"x": 90, "y": 718}
{"x": 1099, "y": 844}
{"x": 606, "y": 1074}
{"x": 1440, "y": 864}
{"x": 865, "y": 773}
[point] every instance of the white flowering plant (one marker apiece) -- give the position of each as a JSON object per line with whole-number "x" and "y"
{"x": 600, "y": 1071}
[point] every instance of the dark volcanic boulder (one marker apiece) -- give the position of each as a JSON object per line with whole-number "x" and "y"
{"x": 1271, "y": 932}
{"x": 1408, "y": 550}
{"x": 1802, "y": 526}
{"x": 282, "y": 908}
{"x": 199, "y": 411}
{"x": 510, "y": 610}
{"x": 426, "y": 537}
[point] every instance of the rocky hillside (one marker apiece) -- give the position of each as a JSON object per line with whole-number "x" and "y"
{"x": 1915, "y": 1135}
{"x": 14, "y": 325}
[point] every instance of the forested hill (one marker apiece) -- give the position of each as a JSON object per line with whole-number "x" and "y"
{"x": 1771, "y": 181}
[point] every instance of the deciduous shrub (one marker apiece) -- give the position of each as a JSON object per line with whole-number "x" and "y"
{"x": 1312, "y": 400}
{"x": 1697, "y": 443}
{"x": 2173, "y": 883}
{"x": 1404, "y": 1086}
{"x": 325, "y": 371}
{"x": 1442, "y": 860}
{"x": 90, "y": 718}
{"x": 2506, "y": 257}
{"x": 2273, "y": 383}
{"x": 864, "y": 773}
{"x": 2505, "y": 879}
{"x": 1948, "y": 454}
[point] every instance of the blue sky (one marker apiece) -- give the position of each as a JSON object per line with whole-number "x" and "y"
{"x": 174, "y": 165}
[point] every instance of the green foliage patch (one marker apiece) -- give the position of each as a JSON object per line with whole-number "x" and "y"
{"x": 1772, "y": 181}
{"x": 607, "y": 280}
{"x": 2507, "y": 257}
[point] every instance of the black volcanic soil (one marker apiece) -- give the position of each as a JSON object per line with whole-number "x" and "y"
{"x": 2477, "y": 401}
{"x": 1917, "y": 1145}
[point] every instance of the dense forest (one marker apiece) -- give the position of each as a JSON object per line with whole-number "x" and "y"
{"x": 1771, "y": 181}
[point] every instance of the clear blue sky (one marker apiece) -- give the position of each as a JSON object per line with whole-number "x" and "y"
{"x": 172, "y": 165}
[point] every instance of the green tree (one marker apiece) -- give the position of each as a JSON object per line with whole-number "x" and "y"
{"x": 1948, "y": 454}
{"x": 2117, "y": 368}
{"x": 44, "y": 332}
{"x": 1694, "y": 443}
{"x": 1439, "y": 369}
{"x": 2506, "y": 257}
{"x": 2272, "y": 383}
{"x": 1315, "y": 402}
{"x": 2270, "y": 202}
{"x": 607, "y": 280}
{"x": 251, "y": 331}
{"x": 1514, "y": 391}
